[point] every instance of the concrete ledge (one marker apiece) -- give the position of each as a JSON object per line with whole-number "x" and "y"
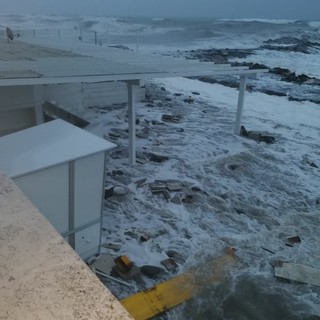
{"x": 41, "y": 277}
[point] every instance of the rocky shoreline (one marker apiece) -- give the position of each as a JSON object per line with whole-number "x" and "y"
{"x": 303, "y": 87}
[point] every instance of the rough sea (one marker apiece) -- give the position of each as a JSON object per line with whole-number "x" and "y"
{"x": 237, "y": 192}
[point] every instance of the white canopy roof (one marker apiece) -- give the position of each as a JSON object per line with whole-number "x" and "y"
{"x": 46, "y": 145}
{"x": 41, "y": 65}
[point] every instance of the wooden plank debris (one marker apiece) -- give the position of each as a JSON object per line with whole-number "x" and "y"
{"x": 168, "y": 294}
{"x": 297, "y": 272}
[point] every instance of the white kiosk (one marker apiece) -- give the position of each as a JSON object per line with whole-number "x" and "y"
{"x": 61, "y": 168}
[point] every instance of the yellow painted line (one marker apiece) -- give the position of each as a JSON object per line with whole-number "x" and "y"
{"x": 168, "y": 294}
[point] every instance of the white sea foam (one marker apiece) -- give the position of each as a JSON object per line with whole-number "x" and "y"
{"x": 274, "y": 21}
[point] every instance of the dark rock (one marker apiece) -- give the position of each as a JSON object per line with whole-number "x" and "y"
{"x": 156, "y": 157}
{"x": 108, "y": 192}
{"x": 121, "y": 46}
{"x": 178, "y": 94}
{"x": 176, "y": 256}
{"x": 117, "y": 172}
{"x": 218, "y": 55}
{"x": 176, "y": 200}
{"x": 151, "y": 271}
{"x": 174, "y": 186}
{"x": 163, "y": 89}
{"x": 171, "y": 118}
{"x": 291, "y": 44}
{"x": 144, "y": 133}
{"x": 180, "y": 130}
{"x": 166, "y": 194}
{"x": 233, "y": 166}
{"x": 132, "y": 273}
{"x": 140, "y": 182}
{"x": 188, "y": 199}
{"x": 243, "y": 132}
{"x": 274, "y": 93}
{"x": 157, "y": 187}
{"x": 312, "y": 164}
{"x": 131, "y": 234}
{"x": 257, "y": 136}
{"x": 196, "y": 93}
{"x": 120, "y": 191}
{"x": 189, "y": 100}
{"x": 145, "y": 237}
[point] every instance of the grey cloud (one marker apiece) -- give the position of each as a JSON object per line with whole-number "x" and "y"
{"x": 275, "y": 9}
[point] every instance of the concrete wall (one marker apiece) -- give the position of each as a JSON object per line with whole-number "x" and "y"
{"x": 105, "y": 93}
{"x": 17, "y": 102}
{"x": 41, "y": 276}
{"x": 16, "y": 108}
{"x": 69, "y": 96}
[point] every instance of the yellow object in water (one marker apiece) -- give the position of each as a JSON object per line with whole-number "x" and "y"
{"x": 168, "y": 294}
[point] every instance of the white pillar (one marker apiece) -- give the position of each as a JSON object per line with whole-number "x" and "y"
{"x": 132, "y": 122}
{"x": 242, "y": 91}
{"x": 38, "y": 99}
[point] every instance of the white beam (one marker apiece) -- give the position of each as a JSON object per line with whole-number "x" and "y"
{"x": 242, "y": 91}
{"x": 5, "y": 82}
{"x": 132, "y": 122}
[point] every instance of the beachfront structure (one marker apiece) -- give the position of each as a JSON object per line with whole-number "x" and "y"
{"x": 40, "y": 74}
{"x": 61, "y": 168}
{"x": 55, "y": 164}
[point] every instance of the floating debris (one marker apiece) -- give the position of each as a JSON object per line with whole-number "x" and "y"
{"x": 170, "y": 264}
{"x": 139, "y": 183}
{"x": 257, "y": 136}
{"x": 144, "y": 133}
{"x": 174, "y": 186}
{"x": 156, "y": 157}
{"x": 157, "y": 187}
{"x": 171, "y": 118}
{"x": 297, "y": 272}
{"x": 293, "y": 240}
{"x": 188, "y": 199}
{"x": 103, "y": 263}
{"x": 125, "y": 268}
{"x": 112, "y": 245}
{"x": 268, "y": 250}
{"x": 145, "y": 237}
{"x": 112, "y": 278}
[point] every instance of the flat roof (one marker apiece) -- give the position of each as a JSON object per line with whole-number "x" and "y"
{"x": 29, "y": 64}
{"x": 47, "y": 145}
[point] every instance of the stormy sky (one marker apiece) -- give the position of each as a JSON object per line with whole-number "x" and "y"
{"x": 273, "y": 9}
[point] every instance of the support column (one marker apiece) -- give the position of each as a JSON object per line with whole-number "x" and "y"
{"x": 242, "y": 91}
{"x": 132, "y": 122}
{"x": 38, "y": 99}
